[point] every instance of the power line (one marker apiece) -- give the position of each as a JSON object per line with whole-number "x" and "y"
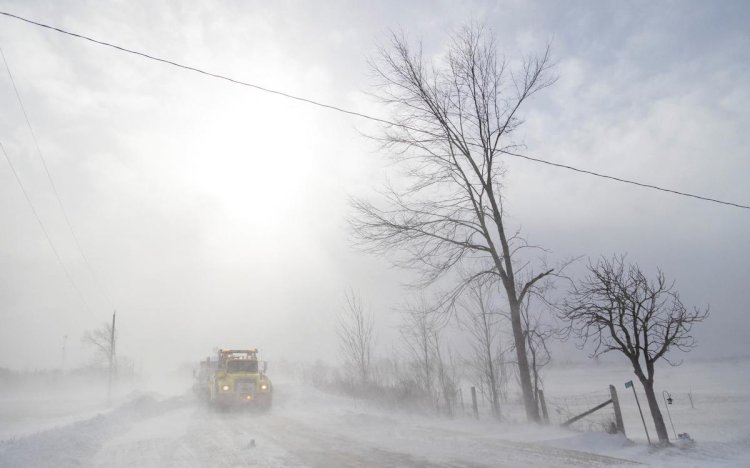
{"x": 202, "y": 72}
{"x": 52, "y": 184}
{"x": 626, "y": 181}
{"x": 359, "y": 114}
{"x": 44, "y": 230}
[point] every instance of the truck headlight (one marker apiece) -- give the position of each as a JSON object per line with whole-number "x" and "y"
{"x": 264, "y": 386}
{"x": 225, "y": 388}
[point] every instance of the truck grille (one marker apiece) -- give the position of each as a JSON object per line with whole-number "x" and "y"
{"x": 245, "y": 386}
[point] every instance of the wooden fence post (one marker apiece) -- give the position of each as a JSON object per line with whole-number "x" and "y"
{"x": 474, "y": 402}
{"x": 618, "y": 414}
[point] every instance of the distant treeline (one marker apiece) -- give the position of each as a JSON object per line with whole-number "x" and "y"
{"x": 44, "y": 378}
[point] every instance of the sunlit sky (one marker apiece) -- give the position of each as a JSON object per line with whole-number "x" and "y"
{"x": 214, "y": 215}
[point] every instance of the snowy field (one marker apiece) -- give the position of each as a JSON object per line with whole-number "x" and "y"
{"x": 310, "y": 428}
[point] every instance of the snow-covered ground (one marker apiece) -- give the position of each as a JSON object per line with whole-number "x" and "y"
{"x": 310, "y": 428}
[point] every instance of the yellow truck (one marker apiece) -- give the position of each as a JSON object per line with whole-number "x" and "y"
{"x": 235, "y": 379}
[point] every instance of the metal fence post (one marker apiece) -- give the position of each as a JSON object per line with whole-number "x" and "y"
{"x": 630, "y": 384}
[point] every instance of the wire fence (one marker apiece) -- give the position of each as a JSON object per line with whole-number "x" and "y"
{"x": 560, "y": 409}
{"x": 564, "y": 408}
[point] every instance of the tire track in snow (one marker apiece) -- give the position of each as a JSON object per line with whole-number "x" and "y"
{"x": 318, "y": 448}
{"x": 194, "y": 436}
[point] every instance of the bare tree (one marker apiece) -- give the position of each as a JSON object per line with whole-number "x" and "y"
{"x": 482, "y": 321}
{"x": 104, "y": 343}
{"x": 619, "y": 309}
{"x": 419, "y": 330}
{"x": 454, "y": 125}
{"x": 446, "y": 372}
{"x": 355, "y": 330}
{"x": 538, "y": 334}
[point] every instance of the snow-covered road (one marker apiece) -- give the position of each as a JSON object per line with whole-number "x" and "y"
{"x": 178, "y": 431}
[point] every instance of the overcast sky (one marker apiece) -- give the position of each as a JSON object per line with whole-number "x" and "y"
{"x": 213, "y": 215}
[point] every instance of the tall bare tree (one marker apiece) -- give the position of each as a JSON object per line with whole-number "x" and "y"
{"x": 619, "y": 309}
{"x": 355, "y": 330}
{"x": 447, "y": 378}
{"x": 455, "y": 123}
{"x": 538, "y": 334}
{"x": 419, "y": 330}
{"x": 482, "y": 320}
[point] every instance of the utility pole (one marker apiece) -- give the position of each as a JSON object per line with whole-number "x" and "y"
{"x": 111, "y": 356}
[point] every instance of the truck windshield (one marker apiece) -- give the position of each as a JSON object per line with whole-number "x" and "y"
{"x": 242, "y": 366}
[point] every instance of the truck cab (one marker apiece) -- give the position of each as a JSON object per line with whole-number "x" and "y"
{"x": 240, "y": 380}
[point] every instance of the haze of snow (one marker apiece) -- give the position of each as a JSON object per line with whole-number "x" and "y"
{"x": 164, "y": 425}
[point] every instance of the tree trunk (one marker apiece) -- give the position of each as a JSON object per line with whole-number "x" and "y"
{"x": 493, "y": 394}
{"x": 529, "y": 403}
{"x": 653, "y": 406}
{"x": 427, "y": 374}
{"x": 534, "y": 370}
{"x": 493, "y": 380}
